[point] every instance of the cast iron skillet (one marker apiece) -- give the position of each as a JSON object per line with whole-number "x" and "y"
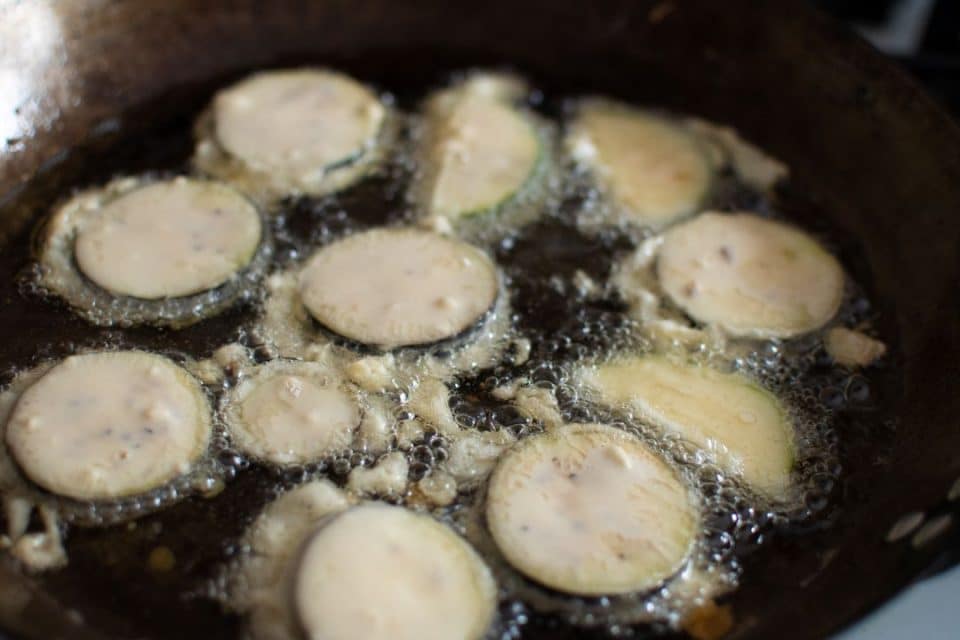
{"x": 879, "y": 162}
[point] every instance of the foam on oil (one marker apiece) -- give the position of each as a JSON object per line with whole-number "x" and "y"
{"x": 552, "y": 319}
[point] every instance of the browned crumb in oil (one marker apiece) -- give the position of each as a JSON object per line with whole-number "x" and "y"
{"x": 659, "y": 12}
{"x": 709, "y": 622}
{"x": 161, "y": 560}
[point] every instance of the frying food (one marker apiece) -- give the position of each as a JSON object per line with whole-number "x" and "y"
{"x": 655, "y": 170}
{"x": 750, "y": 276}
{"x": 733, "y": 420}
{"x": 480, "y": 382}
{"x": 289, "y": 412}
{"x": 141, "y": 251}
{"x": 298, "y": 131}
{"x": 399, "y": 287}
{"x": 106, "y": 425}
{"x": 589, "y": 510}
{"x": 480, "y": 152}
{"x": 341, "y": 591}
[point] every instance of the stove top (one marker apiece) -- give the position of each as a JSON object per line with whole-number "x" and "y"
{"x": 923, "y": 35}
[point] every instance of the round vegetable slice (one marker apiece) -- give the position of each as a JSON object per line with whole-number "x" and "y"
{"x": 590, "y": 510}
{"x": 169, "y": 239}
{"x": 741, "y": 426}
{"x": 145, "y": 251}
{"x": 294, "y": 131}
{"x": 292, "y": 413}
{"x": 654, "y": 170}
{"x": 107, "y": 425}
{"x": 300, "y": 121}
{"x": 378, "y": 571}
{"x": 749, "y": 275}
{"x": 481, "y": 152}
{"x": 399, "y": 287}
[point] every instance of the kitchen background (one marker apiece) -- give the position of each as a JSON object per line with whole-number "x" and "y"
{"x": 924, "y": 37}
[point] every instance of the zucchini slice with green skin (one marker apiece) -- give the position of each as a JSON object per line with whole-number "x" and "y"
{"x": 391, "y": 288}
{"x": 297, "y": 121}
{"x": 107, "y": 425}
{"x": 741, "y": 426}
{"x": 750, "y": 276}
{"x": 291, "y": 412}
{"x": 654, "y": 170}
{"x": 478, "y": 150}
{"x": 589, "y": 510}
{"x": 379, "y": 571}
{"x": 482, "y": 153}
{"x": 753, "y": 166}
{"x": 143, "y": 251}
{"x": 291, "y": 131}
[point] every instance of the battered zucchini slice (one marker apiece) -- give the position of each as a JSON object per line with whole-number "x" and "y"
{"x": 164, "y": 252}
{"x": 107, "y": 425}
{"x": 298, "y": 131}
{"x": 378, "y": 571}
{"x": 749, "y": 275}
{"x": 751, "y": 164}
{"x": 738, "y": 424}
{"x": 261, "y": 577}
{"x": 588, "y": 509}
{"x": 391, "y": 288}
{"x": 290, "y": 412}
{"x": 479, "y": 152}
{"x": 654, "y": 170}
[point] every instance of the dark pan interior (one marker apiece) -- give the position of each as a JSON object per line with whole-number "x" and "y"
{"x": 880, "y": 160}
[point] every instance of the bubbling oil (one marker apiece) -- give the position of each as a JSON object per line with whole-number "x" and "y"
{"x": 735, "y": 520}
{"x": 559, "y": 310}
{"x": 56, "y": 273}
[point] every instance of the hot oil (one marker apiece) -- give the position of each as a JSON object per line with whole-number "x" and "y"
{"x": 567, "y": 327}
{"x": 112, "y": 581}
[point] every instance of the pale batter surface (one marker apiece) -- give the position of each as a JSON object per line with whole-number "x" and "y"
{"x": 169, "y": 239}
{"x": 379, "y": 571}
{"x": 590, "y": 510}
{"x": 108, "y": 425}
{"x": 398, "y": 287}
{"x": 299, "y": 121}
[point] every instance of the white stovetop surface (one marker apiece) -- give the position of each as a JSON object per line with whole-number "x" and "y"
{"x": 929, "y": 610}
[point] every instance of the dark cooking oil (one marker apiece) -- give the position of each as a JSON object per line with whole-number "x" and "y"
{"x": 114, "y": 581}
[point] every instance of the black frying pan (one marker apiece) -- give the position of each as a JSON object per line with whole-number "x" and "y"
{"x": 98, "y": 87}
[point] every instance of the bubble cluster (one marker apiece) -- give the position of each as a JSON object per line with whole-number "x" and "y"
{"x": 559, "y": 310}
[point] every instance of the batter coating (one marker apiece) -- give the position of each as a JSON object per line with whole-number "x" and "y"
{"x": 740, "y": 425}
{"x": 297, "y": 121}
{"x": 482, "y": 151}
{"x": 106, "y": 425}
{"x": 749, "y": 275}
{"x": 378, "y": 571}
{"x": 392, "y": 288}
{"x": 588, "y": 509}
{"x": 292, "y": 412}
{"x": 310, "y": 131}
{"x": 654, "y": 170}
{"x": 140, "y": 250}
{"x": 169, "y": 239}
